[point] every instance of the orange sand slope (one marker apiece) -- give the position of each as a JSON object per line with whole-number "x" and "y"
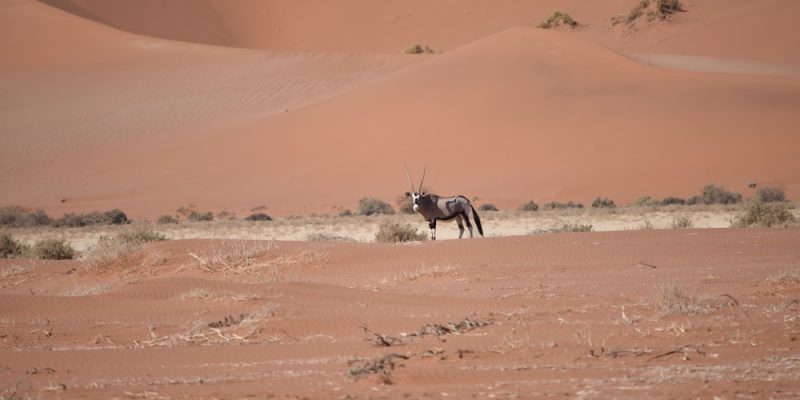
{"x": 566, "y": 315}
{"x": 94, "y": 117}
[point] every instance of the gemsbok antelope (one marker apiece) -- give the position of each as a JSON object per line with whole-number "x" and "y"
{"x": 435, "y": 208}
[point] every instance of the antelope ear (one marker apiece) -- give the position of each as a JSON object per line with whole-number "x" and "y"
{"x": 408, "y": 194}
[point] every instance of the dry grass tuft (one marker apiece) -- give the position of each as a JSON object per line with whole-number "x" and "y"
{"x": 558, "y": 18}
{"x": 382, "y": 367}
{"x": 118, "y": 250}
{"x": 671, "y": 299}
{"x": 53, "y": 249}
{"x": 393, "y": 232}
{"x": 234, "y": 256}
{"x": 761, "y": 214}
{"x": 682, "y": 222}
{"x": 786, "y": 278}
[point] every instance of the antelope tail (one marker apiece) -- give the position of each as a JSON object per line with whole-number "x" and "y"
{"x": 477, "y": 219}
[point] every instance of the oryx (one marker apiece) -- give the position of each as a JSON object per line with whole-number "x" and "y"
{"x": 434, "y": 208}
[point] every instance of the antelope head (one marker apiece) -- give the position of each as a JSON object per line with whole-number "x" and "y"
{"x": 416, "y": 194}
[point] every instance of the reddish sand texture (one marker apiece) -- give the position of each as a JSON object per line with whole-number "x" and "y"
{"x": 640, "y": 314}
{"x": 307, "y": 106}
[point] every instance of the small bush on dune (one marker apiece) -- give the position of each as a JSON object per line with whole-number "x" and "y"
{"x": 166, "y": 219}
{"x": 393, "y": 232}
{"x": 487, "y": 207}
{"x": 770, "y": 195}
{"x": 12, "y": 248}
{"x": 529, "y": 206}
{"x": 645, "y": 201}
{"x": 682, "y": 222}
{"x": 418, "y": 49}
{"x": 653, "y": 9}
{"x": 556, "y": 19}
{"x": 19, "y": 217}
{"x": 258, "y": 217}
{"x": 718, "y": 194}
{"x": 761, "y": 214}
{"x": 404, "y": 204}
{"x": 53, "y": 249}
{"x": 603, "y": 203}
{"x": 345, "y": 213}
{"x": 373, "y": 206}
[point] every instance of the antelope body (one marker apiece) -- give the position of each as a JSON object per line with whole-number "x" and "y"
{"x": 436, "y": 208}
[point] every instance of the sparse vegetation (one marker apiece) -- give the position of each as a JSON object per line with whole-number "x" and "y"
{"x": 770, "y": 195}
{"x": 404, "y": 204}
{"x": 682, "y": 222}
{"x": 393, "y": 232}
{"x": 110, "y": 217}
{"x": 225, "y": 216}
{"x": 346, "y": 213}
{"x": 718, "y": 194}
{"x": 195, "y": 216}
{"x": 786, "y": 278}
{"x": 418, "y": 49}
{"x": 603, "y": 203}
{"x": 260, "y": 216}
{"x": 53, "y": 249}
{"x": 119, "y": 248}
{"x": 565, "y": 229}
{"x": 761, "y": 214}
{"x": 19, "y": 217}
{"x": 672, "y": 200}
{"x": 556, "y": 19}
{"x": 374, "y": 206}
{"x": 555, "y": 205}
{"x": 672, "y": 300}
{"x": 487, "y": 207}
{"x": 166, "y": 219}
{"x": 327, "y": 237}
{"x": 529, "y": 206}
{"x": 646, "y": 201}
{"x": 652, "y": 9}
{"x": 11, "y": 248}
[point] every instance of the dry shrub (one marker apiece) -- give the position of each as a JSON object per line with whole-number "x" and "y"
{"x": 646, "y": 201}
{"x": 19, "y": 217}
{"x": 195, "y": 216}
{"x": 556, "y": 19}
{"x": 770, "y": 195}
{"x": 760, "y": 214}
{"x": 233, "y": 256}
{"x": 718, "y": 194}
{"x": 682, "y": 222}
{"x": 673, "y": 300}
{"x": 393, "y": 232}
{"x": 487, "y": 207}
{"x": 529, "y": 206}
{"x": 166, "y": 219}
{"x": 603, "y": 203}
{"x": 418, "y": 49}
{"x": 652, "y": 9}
{"x": 404, "y": 204}
{"x": 258, "y": 217}
{"x": 555, "y": 205}
{"x": 12, "y": 248}
{"x": 53, "y": 249}
{"x": 786, "y": 278}
{"x": 374, "y": 206}
{"x": 327, "y": 237}
{"x": 119, "y": 249}
{"x": 672, "y": 200}
{"x": 110, "y": 217}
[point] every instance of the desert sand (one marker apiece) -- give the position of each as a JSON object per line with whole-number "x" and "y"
{"x": 655, "y": 314}
{"x": 303, "y": 107}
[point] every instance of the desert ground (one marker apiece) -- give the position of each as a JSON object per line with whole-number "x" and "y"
{"x": 300, "y": 108}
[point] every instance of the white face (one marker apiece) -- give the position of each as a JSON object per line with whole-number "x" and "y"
{"x": 415, "y": 200}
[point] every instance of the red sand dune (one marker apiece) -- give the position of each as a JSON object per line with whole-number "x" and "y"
{"x": 103, "y": 118}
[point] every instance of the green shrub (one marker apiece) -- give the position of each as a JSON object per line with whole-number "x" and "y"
{"x": 667, "y": 201}
{"x": 195, "y": 216}
{"x": 373, "y": 206}
{"x": 53, "y": 249}
{"x": 11, "y": 248}
{"x": 166, "y": 219}
{"x": 603, "y": 203}
{"x": 529, "y": 206}
{"x": 488, "y": 207}
{"x": 110, "y": 217}
{"x": 258, "y": 217}
{"x": 19, "y": 217}
{"x": 718, "y": 194}
{"x": 554, "y": 205}
{"x": 770, "y": 195}
{"x": 758, "y": 213}
{"x": 393, "y": 232}
{"x": 556, "y": 19}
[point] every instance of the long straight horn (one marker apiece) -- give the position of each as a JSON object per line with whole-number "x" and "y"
{"x": 423, "y": 177}
{"x": 410, "y": 182}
